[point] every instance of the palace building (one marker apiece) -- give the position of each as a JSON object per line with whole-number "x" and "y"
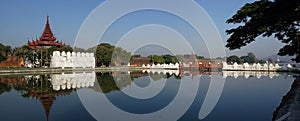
{"x": 47, "y": 39}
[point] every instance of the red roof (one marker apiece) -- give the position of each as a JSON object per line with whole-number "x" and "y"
{"x": 47, "y": 38}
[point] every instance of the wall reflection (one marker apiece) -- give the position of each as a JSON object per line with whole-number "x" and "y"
{"x": 72, "y": 81}
{"x": 225, "y": 74}
{"x": 47, "y": 87}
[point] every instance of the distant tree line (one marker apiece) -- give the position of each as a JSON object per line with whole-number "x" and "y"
{"x": 249, "y": 58}
{"x": 30, "y": 55}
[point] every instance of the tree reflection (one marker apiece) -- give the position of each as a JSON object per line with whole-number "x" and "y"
{"x": 34, "y": 86}
{"x": 4, "y": 88}
{"x": 117, "y": 80}
{"x": 289, "y": 108}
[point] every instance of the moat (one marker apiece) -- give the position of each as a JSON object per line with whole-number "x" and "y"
{"x": 244, "y": 96}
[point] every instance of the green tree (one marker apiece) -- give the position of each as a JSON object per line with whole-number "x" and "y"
{"x": 278, "y": 18}
{"x": 168, "y": 58}
{"x": 200, "y": 57}
{"x": 103, "y": 54}
{"x": 158, "y": 59}
{"x": 4, "y": 50}
{"x": 234, "y": 58}
{"x": 2, "y": 58}
{"x": 4, "y": 88}
{"x": 180, "y": 58}
{"x": 24, "y": 52}
{"x": 7, "y": 49}
{"x": 120, "y": 57}
{"x": 66, "y": 48}
{"x": 107, "y": 55}
{"x": 249, "y": 58}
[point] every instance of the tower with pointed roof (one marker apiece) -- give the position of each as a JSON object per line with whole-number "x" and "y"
{"x": 46, "y": 39}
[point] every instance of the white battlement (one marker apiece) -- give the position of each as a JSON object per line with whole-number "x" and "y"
{"x": 255, "y": 66}
{"x": 74, "y": 59}
{"x": 162, "y": 66}
{"x": 73, "y": 81}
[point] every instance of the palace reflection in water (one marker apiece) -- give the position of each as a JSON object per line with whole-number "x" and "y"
{"x": 46, "y": 88}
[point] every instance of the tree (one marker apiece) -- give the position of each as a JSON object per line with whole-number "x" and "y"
{"x": 24, "y": 52}
{"x": 234, "y": 58}
{"x": 158, "y": 59}
{"x": 168, "y": 58}
{"x": 2, "y": 58}
{"x": 107, "y": 55}
{"x": 77, "y": 49}
{"x": 7, "y": 49}
{"x": 103, "y": 54}
{"x": 120, "y": 57}
{"x": 200, "y": 57}
{"x": 4, "y": 50}
{"x": 180, "y": 58}
{"x": 66, "y": 48}
{"x": 249, "y": 58}
{"x": 278, "y": 18}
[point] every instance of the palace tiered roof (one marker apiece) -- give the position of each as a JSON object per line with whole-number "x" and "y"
{"x": 47, "y": 39}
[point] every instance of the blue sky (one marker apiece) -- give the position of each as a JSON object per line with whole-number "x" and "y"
{"x": 26, "y": 19}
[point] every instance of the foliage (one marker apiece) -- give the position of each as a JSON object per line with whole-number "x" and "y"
{"x": 107, "y": 54}
{"x": 169, "y": 59}
{"x": 77, "y": 49}
{"x": 200, "y": 57}
{"x": 92, "y": 49}
{"x": 120, "y": 57}
{"x": 106, "y": 82}
{"x": 24, "y": 52}
{"x": 249, "y": 58}
{"x": 180, "y": 58}
{"x": 278, "y": 18}
{"x": 158, "y": 59}
{"x": 4, "y": 88}
{"x": 2, "y": 58}
{"x": 66, "y": 48}
{"x": 4, "y": 51}
{"x": 103, "y": 54}
{"x": 234, "y": 58}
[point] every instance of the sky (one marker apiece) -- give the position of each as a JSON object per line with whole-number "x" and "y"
{"x": 23, "y": 20}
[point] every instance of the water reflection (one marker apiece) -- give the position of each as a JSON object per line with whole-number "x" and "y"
{"x": 47, "y": 87}
{"x": 289, "y": 108}
{"x": 225, "y": 74}
{"x": 37, "y": 87}
{"x": 73, "y": 80}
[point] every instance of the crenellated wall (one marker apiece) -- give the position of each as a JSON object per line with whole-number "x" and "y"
{"x": 255, "y": 67}
{"x": 75, "y": 59}
{"x": 73, "y": 80}
{"x": 162, "y": 66}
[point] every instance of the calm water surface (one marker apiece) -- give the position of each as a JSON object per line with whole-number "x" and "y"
{"x": 245, "y": 96}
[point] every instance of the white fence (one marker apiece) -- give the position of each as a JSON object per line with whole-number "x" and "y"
{"x": 74, "y": 59}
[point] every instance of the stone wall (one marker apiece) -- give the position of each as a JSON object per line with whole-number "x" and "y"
{"x": 74, "y": 60}
{"x": 255, "y": 66}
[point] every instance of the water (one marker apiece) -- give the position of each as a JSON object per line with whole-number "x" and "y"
{"x": 143, "y": 95}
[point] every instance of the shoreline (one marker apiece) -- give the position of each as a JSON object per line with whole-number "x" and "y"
{"x": 5, "y": 71}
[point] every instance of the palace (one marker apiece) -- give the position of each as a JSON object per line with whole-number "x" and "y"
{"x": 46, "y": 39}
